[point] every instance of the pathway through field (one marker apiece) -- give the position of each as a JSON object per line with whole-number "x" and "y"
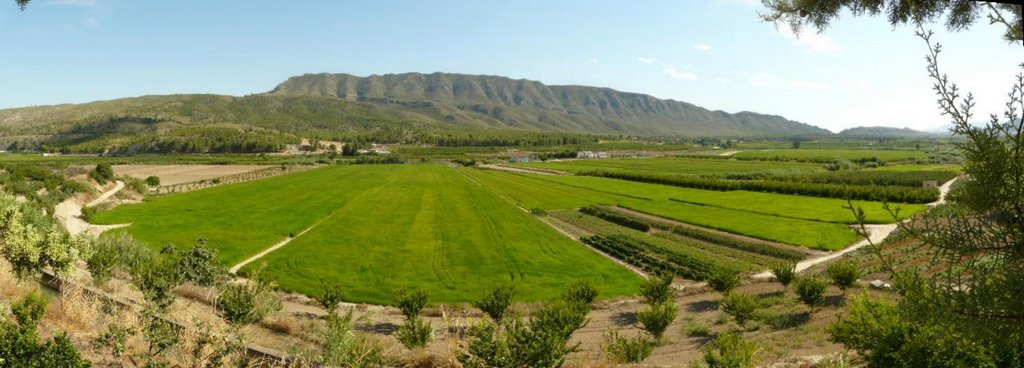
{"x": 69, "y": 213}
{"x": 876, "y": 234}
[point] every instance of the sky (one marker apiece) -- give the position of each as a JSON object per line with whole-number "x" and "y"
{"x": 716, "y": 54}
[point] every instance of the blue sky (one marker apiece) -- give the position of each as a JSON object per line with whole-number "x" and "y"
{"x": 715, "y": 53}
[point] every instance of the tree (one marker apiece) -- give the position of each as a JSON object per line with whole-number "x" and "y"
{"x": 495, "y": 304}
{"x": 153, "y": 181}
{"x": 103, "y": 173}
{"x": 730, "y": 350}
{"x": 960, "y": 14}
{"x": 972, "y": 308}
{"x": 784, "y": 272}
{"x": 19, "y": 339}
{"x": 31, "y": 241}
{"x": 657, "y": 317}
{"x": 412, "y": 301}
{"x": 843, "y": 274}
{"x": 740, "y": 306}
{"x": 657, "y": 289}
{"x": 22, "y": 3}
{"x": 810, "y": 290}
{"x": 724, "y": 280}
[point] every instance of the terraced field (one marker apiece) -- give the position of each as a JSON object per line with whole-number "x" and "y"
{"x": 377, "y": 229}
{"x": 819, "y": 223}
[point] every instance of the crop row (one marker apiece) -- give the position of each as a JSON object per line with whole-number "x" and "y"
{"x": 651, "y": 258}
{"x": 618, "y": 218}
{"x": 870, "y": 193}
{"x": 910, "y": 179}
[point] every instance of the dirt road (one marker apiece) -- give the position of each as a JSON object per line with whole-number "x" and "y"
{"x": 523, "y": 169}
{"x": 69, "y": 213}
{"x": 876, "y": 234}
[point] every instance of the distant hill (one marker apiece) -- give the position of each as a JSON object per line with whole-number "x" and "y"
{"x": 531, "y": 105}
{"x": 424, "y": 108}
{"x": 888, "y": 132}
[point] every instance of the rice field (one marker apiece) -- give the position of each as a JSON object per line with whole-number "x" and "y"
{"x": 676, "y": 165}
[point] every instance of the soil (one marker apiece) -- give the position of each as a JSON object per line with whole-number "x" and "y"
{"x": 520, "y": 169}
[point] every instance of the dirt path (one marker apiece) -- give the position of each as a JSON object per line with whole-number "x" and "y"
{"x": 235, "y": 268}
{"x": 876, "y": 234}
{"x": 523, "y": 169}
{"x": 69, "y": 213}
{"x": 728, "y": 153}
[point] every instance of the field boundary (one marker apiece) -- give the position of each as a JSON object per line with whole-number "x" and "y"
{"x": 234, "y": 269}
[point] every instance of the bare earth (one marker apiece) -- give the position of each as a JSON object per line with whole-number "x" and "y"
{"x": 69, "y": 212}
{"x": 177, "y": 174}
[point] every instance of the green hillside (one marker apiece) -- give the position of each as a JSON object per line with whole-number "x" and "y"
{"x": 443, "y": 109}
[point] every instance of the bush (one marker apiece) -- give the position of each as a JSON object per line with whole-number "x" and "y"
{"x": 740, "y": 306}
{"x": 784, "y": 272}
{"x": 724, "y": 280}
{"x": 249, "y": 302}
{"x": 615, "y": 217}
{"x": 625, "y": 350}
{"x": 156, "y": 278}
{"x": 105, "y": 259}
{"x": 695, "y": 329}
{"x": 495, "y": 304}
{"x": 658, "y": 289}
{"x": 843, "y": 274}
{"x": 88, "y": 213}
{"x": 103, "y": 173}
{"x": 730, "y": 350}
{"x": 580, "y": 293}
{"x": 412, "y": 301}
{"x": 342, "y": 348}
{"x": 538, "y": 212}
{"x": 656, "y": 318}
{"x": 415, "y": 333}
{"x": 153, "y": 181}
{"x": 330, "y": 295}
{"x": 540, "y": 343}
{"x": 20, "y": 344}
{"x": 810, "y": 291}
{"x": 199, "y": 265}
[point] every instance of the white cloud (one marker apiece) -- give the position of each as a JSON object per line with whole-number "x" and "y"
{"x": 675, "y": 73}
{"x": 646, "y": 60}
{"x": 812, "y": 42}
{"x": 702, "y": 47}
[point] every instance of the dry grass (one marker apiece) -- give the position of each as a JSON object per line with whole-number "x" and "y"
{"x": 281, "y": 324}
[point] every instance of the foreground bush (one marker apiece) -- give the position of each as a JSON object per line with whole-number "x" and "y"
{"x": 341, "y": 347}
{"x": 730, "y": 350}
{"x": 740, "y": 306}
{"x": 810, "y": 291}
{"x": 656, "y": 318}
{"x": 625, "y": 350}
{"x": 247, "y": 302}
{"x": 415, "y": 333}
{"x": 784, "y": 273}
{"x": 580, "y": 293}
{"x": 20, "y": 344}
{"x": 330, "y": 296}
{"x": 843, "y": 274}
{"x": 412, "y": 301}
{"x": 658, "y": 289}
{"x": 724, "y": 280}
{"x": 495, "y": 304}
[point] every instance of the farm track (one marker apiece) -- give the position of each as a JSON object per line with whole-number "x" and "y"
{"x": 69, "y": 213}
{"x": 234, "y": 269}
{"x": 876, "y": 234}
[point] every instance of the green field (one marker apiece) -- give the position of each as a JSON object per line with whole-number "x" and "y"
{"x": 377, "y": 229}
{"x": 673, "y": 165}
{"x": 807, "y": 225}
{"x": 828, "y": 155}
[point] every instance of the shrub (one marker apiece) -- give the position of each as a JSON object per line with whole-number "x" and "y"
{"x": 580, "y": 293}
{"x": 103, "y": 173}
{"x": 740, "y": 306}
{"x": 88, "y": 213}
{"x": 330, "y": 295}
{"x": 730, "y": 350}
{"x": 249, "y": 302}
{"x": 625, "y": 350}
{"x": 543, "y": 342}
{"x": 411, "y": 301}
{"x": 495, "y": 304}
{"x": 784, "y": 272}
{"x": 843, "y": 274}
{"x": 115, "y": 339}
{"x": 724, "y": 280}
{"x": 538, "y": 212}
{"x": 658, "y": 289}
{"x": 810, "y": 291}
{"x": 156, "y": 278}
{"x": 615, "y": 217}
{"x": 656, "y": 318}
{"x": 106, "y": 258}
{"x": 415, "y": 333}
{"x": 160, "y": 335}
{"x": 342, "y": 348}
{"x": 694, "y": 329}
{"x": 153, "y": 181}
{"x": 199, "y": 265}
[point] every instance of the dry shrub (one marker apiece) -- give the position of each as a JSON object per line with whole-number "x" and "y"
{"x": 425, "y": 359}
{"x": 279, "y": 324}
{"x": 197, "y": 293}
{"x": 79, "y": 310}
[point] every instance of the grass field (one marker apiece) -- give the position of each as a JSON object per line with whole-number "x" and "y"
{"x": 673, "y": 165}
{"x": 827, "y": 155}
{"x": 566, "y": 192}
{"x": 379, "y": 228}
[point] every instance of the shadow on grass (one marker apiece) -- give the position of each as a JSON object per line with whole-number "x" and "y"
{"x": 834, "y": 301}
{"x": 624, "y": 319}
{"x": 703, "y": 306}
{"x": 782, "y": 321}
